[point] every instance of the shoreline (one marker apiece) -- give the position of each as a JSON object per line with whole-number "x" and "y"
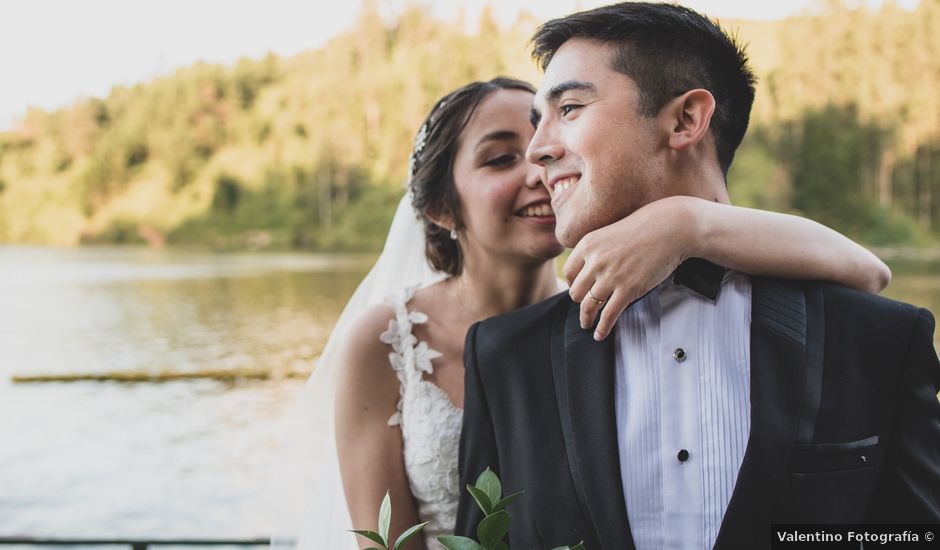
{"x": 907, "y": 253}
{"x": 894, "y": 252}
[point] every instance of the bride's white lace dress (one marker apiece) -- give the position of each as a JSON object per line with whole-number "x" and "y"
{"x": 430, "y": 424}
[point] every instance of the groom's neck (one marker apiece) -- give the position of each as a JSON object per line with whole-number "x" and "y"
{"x": 704, "y": 181}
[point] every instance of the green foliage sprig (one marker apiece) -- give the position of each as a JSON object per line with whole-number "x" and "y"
{"x": 488, "y": 494}
{"x": 385, "y": 519}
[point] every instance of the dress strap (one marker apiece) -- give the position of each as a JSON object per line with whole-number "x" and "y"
{"x": 409, "y": 357}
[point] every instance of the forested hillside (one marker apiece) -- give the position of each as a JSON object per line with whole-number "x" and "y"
{"x": 311, "y": 151}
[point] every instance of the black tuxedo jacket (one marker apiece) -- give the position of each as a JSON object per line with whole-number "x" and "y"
{"x": 845, "y": 421}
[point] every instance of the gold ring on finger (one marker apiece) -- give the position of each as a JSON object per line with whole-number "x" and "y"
{"x": 596, "y": 300}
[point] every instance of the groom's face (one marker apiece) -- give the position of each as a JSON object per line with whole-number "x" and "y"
{"x": 602, "y": 158}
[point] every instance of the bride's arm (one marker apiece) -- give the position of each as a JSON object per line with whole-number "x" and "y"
{"x": 370, "y": 451}
{"x": 784, "y": 245}
{"x": 626, "y": 259}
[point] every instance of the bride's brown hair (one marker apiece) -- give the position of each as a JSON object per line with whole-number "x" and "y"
{"x": 434, "y": 193}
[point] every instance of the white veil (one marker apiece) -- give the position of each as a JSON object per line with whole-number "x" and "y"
{"x": 309, "y": 507}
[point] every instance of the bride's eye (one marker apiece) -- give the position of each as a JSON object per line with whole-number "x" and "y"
{"x": 500, "y": 161}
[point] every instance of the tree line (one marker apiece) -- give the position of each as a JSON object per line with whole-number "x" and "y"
{"x": 311, "y": 151}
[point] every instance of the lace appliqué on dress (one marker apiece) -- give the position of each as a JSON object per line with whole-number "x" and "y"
{"x": 429, "y": 421}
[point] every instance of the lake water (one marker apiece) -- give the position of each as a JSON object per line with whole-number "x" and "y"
{"x": 185, "y": 458}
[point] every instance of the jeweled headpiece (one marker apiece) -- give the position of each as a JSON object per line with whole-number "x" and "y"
{"x": 420, "y": 141}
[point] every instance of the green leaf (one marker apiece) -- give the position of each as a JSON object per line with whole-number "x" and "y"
{"x": 406, "y": 536}
{"x": 483, "y": 501}
{"x": 501, "y": 546}
{"x": 489, "y": 483}
{"x": 385, "y": 518}
{"x": 373, "y": 536}
{"x": 452, "y": 542}
{"x": 579, "y": 546}
{"x": 502, "y": 504}
{"x": 493, "y": 528}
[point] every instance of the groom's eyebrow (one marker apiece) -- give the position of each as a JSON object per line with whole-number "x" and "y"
{"x": 554, "y": 94}
{"x": 556, "y": 91}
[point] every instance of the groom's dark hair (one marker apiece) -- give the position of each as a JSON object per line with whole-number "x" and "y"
{"x": 667, "y": 50}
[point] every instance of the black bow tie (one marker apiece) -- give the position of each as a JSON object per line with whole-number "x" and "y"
{"x": 701, "y": 276}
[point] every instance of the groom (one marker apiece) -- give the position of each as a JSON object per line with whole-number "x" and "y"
{"x": 723, "y": 403}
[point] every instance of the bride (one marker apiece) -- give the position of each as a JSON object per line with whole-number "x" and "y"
{"x": 478, "y": 213}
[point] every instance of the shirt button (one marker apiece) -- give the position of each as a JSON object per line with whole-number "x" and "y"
{"x": 683, "y": 455}
{"x": 679, "y": 355}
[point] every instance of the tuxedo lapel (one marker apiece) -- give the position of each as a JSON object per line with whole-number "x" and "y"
{"x": 786, "y": 381}
{"x": 584, "y": 380}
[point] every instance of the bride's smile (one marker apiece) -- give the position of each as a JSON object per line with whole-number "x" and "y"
{"x": 539, "y": 212}
{"x": 504, "y": 206}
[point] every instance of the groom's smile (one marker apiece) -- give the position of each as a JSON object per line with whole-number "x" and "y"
{"x": 558, "y": 185}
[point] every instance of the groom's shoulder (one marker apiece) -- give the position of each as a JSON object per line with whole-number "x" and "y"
{"x": 857, "y": 312}
{"x": 880, "y": 320}
{"x": 848, "y": 301}
{"x": 524, "y": 323}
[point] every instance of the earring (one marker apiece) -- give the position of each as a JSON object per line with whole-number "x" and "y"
{"x": 453, "y": 234}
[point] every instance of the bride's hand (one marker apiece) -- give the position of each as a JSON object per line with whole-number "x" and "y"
{"x": 616, "y": 265}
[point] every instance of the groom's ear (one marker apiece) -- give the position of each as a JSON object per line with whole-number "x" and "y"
{"x": 689, "y": 117}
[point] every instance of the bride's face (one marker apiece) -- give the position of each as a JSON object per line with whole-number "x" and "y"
{"x": 506, "y": 211}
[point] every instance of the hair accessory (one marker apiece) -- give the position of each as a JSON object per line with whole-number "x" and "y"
{"x": 420, "y": 141}
{"x": 453, "y": 234}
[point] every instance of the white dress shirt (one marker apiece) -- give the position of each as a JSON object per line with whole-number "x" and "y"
{"x": 683, "y": 410}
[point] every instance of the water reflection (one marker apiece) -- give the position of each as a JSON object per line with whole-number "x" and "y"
{"x": 184, "y": 458}
{"x": 183, "y": 313}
